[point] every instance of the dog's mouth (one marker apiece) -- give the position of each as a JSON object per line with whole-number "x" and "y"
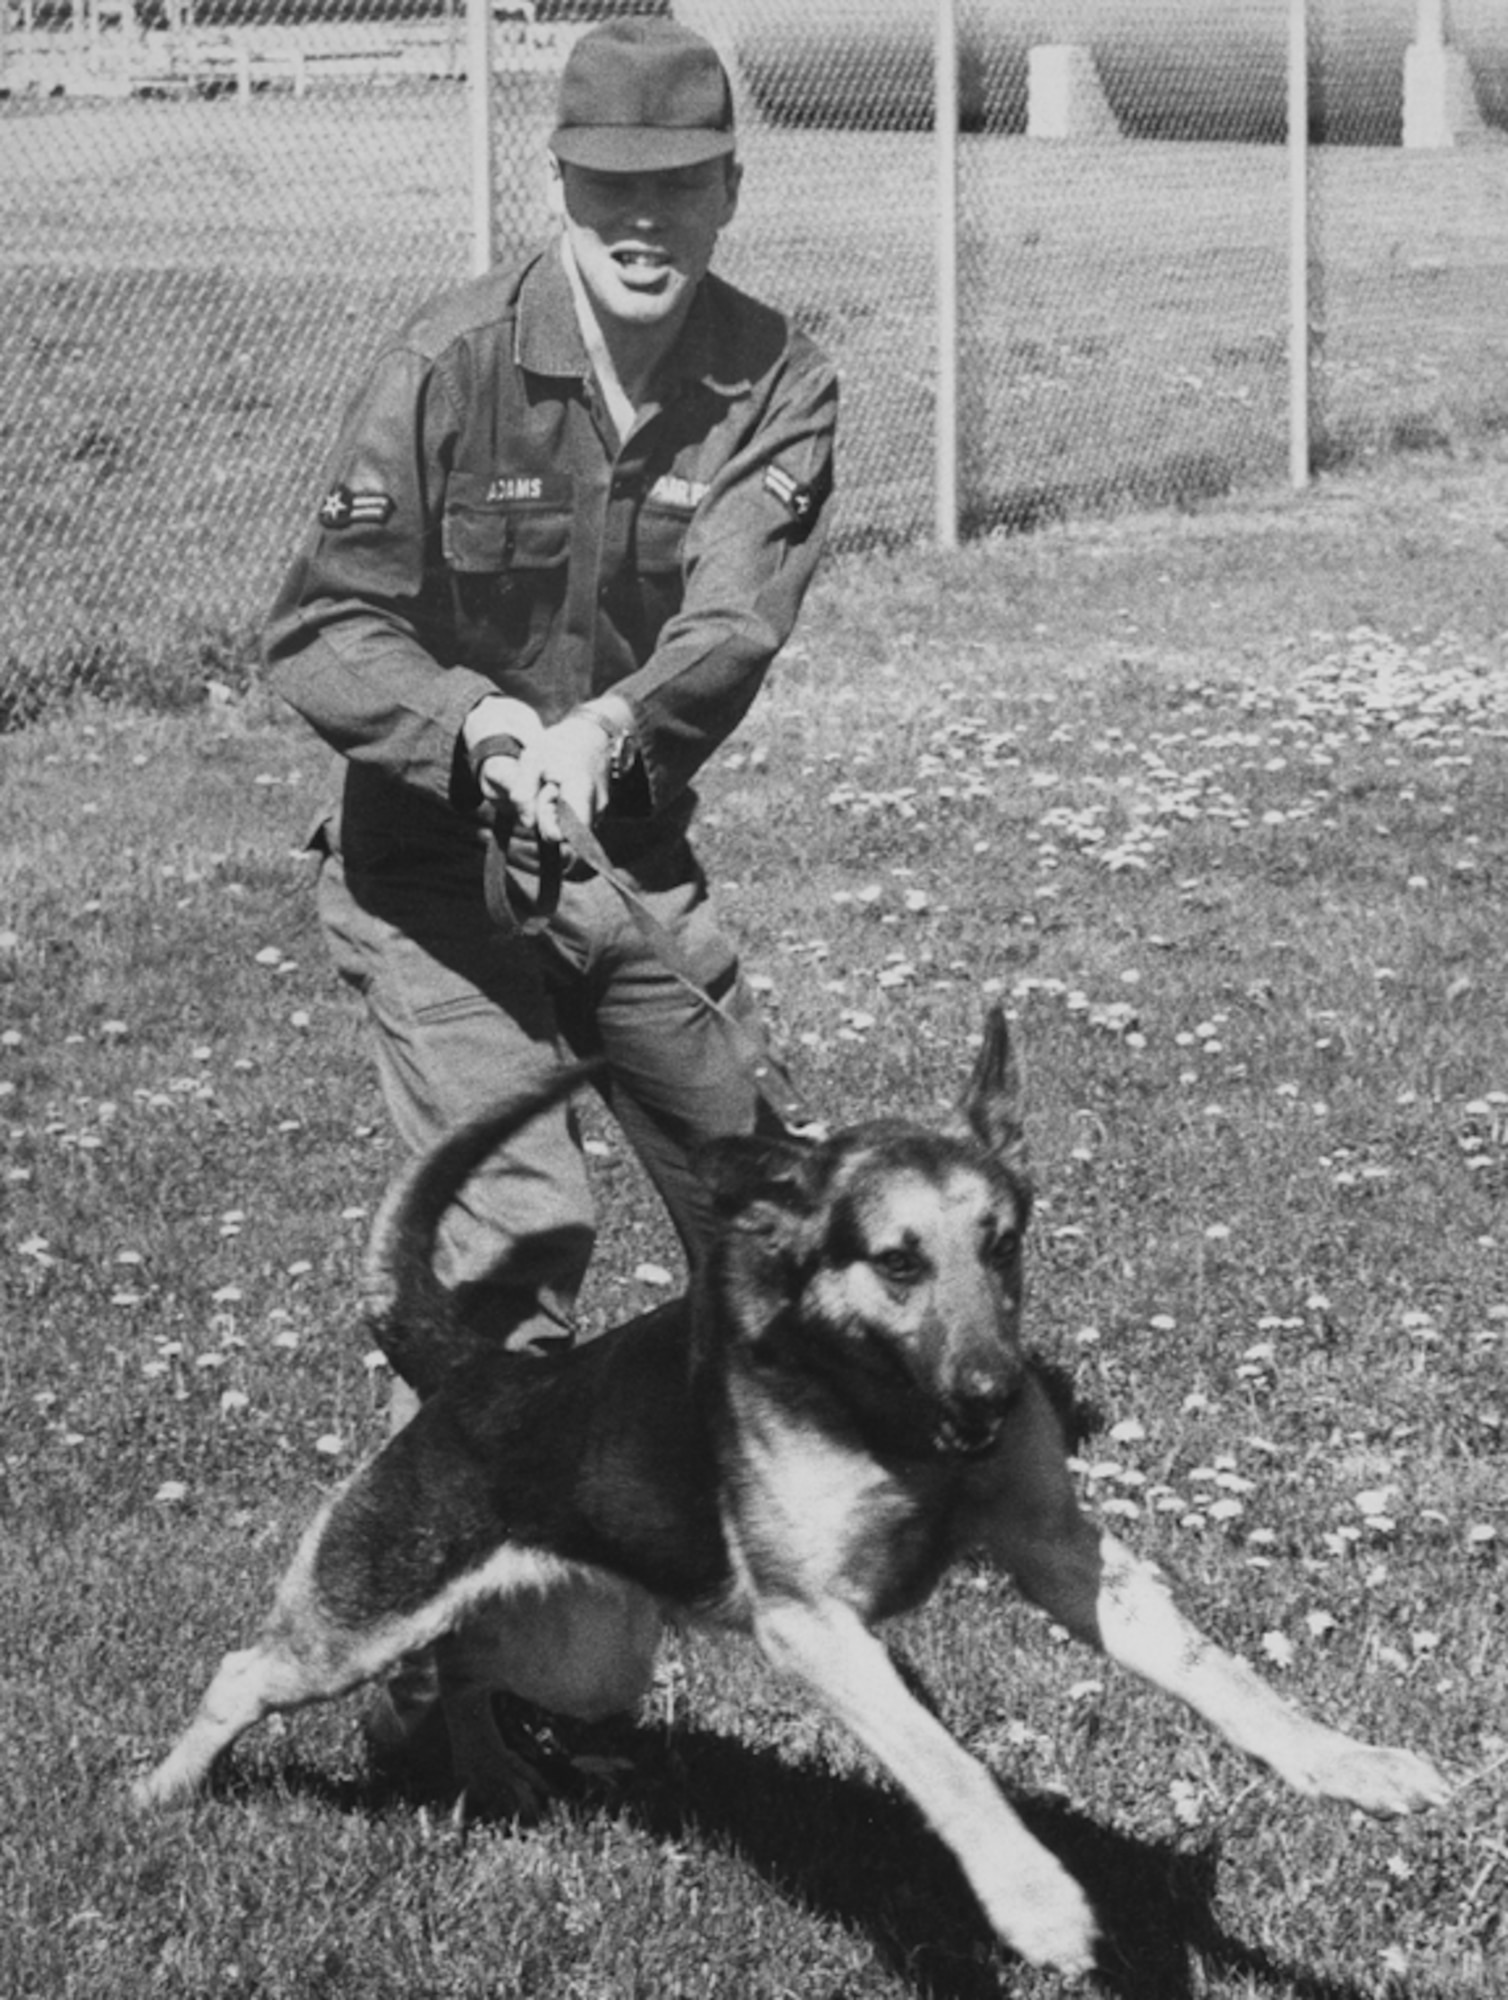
{"x": 968, "y": 1433}
{"x": 918, "y": 1414}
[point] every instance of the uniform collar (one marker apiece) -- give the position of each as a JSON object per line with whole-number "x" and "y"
{"x": 547, "y": 339}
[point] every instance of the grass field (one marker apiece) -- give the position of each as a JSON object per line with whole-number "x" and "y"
{"x": 1218, "y": 802}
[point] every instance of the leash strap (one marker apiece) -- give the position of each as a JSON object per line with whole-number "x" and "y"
{"x": 509, "y": 904}
{"x": 513, "y": 909}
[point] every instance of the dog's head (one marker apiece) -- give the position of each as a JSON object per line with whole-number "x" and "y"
{"x": 883, "y": 1266}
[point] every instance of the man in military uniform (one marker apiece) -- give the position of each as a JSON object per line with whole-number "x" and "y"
{"x": 568, "y": 524}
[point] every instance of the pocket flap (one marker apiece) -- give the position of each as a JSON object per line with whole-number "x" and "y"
{"x": 483, "y": 533}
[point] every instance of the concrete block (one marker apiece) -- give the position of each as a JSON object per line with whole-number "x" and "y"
{"x": 1065, "y": 99}
{"x": 1440, "y": 105}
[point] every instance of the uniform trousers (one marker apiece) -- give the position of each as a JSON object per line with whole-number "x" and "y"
{"x": 464, "y": 1013}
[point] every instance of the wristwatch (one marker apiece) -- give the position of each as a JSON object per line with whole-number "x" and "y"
{"x": 622, "y": 749}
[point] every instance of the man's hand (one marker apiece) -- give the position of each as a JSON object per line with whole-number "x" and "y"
{"x": 571, "y": 761}
{"x": 494, "y": 737}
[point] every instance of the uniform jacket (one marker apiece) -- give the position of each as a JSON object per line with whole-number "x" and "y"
{"x": 482, "y": 528}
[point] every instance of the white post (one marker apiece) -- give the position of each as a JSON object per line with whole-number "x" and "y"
{"x": 1299, "y": 453}
{"x": 479, "y": 99}
{"x": 945, "y": 102}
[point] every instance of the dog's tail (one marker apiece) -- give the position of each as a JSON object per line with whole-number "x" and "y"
{"x": 408, "y": 1312}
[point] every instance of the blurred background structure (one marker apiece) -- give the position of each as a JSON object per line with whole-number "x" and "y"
{"x": 214, "y": 211}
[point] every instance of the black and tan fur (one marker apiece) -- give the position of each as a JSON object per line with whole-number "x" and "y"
{"x": 841, "y": 1409}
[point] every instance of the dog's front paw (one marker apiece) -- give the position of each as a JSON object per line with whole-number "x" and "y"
{"x": 1380, "y": 1780}
{"x": 1047, "y": 1920}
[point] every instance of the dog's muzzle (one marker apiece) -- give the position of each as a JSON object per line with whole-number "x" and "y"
{"x": 969, "y": 1426}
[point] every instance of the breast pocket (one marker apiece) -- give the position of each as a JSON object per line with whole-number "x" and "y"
{"x": 508, "y": 567}
{"x": 659, "y": 568}
{"x": 661, "y": 548}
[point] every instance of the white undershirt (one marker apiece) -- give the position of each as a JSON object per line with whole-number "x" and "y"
{"x": 620, "y": 405}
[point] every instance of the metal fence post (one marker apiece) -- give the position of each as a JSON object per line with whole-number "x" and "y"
{"x": 945, "y": 112}
{"x": 479, "y": 101}
{"x": 1299, "y": 451}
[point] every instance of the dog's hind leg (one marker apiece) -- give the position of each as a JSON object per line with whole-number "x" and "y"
{"x": 248, "y": 1686}
{"x": 1033, "y": 1903}
{"x": 303, "y": 1654}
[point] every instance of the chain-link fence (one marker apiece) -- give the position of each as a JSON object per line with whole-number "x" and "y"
{"x": 215, "y": 209}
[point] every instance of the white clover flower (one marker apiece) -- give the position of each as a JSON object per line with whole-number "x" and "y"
{"x": 1187, "y": 1802}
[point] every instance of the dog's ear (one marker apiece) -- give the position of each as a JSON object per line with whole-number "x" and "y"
{"x": 749, "y": 1171}
{"x": 991, "y": 1105}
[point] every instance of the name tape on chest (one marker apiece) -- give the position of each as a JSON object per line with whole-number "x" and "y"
{"x": 530, "y": 489}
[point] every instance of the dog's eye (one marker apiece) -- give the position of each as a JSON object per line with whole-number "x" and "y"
{"x": 899, "y": 1266}
{"x": 1005, "y": 1248}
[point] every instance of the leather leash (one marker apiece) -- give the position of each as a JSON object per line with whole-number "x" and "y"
{"x": 512, "y": 910}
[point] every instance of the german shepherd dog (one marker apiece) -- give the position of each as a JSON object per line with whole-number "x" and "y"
{"x": 840, "y": 1409}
